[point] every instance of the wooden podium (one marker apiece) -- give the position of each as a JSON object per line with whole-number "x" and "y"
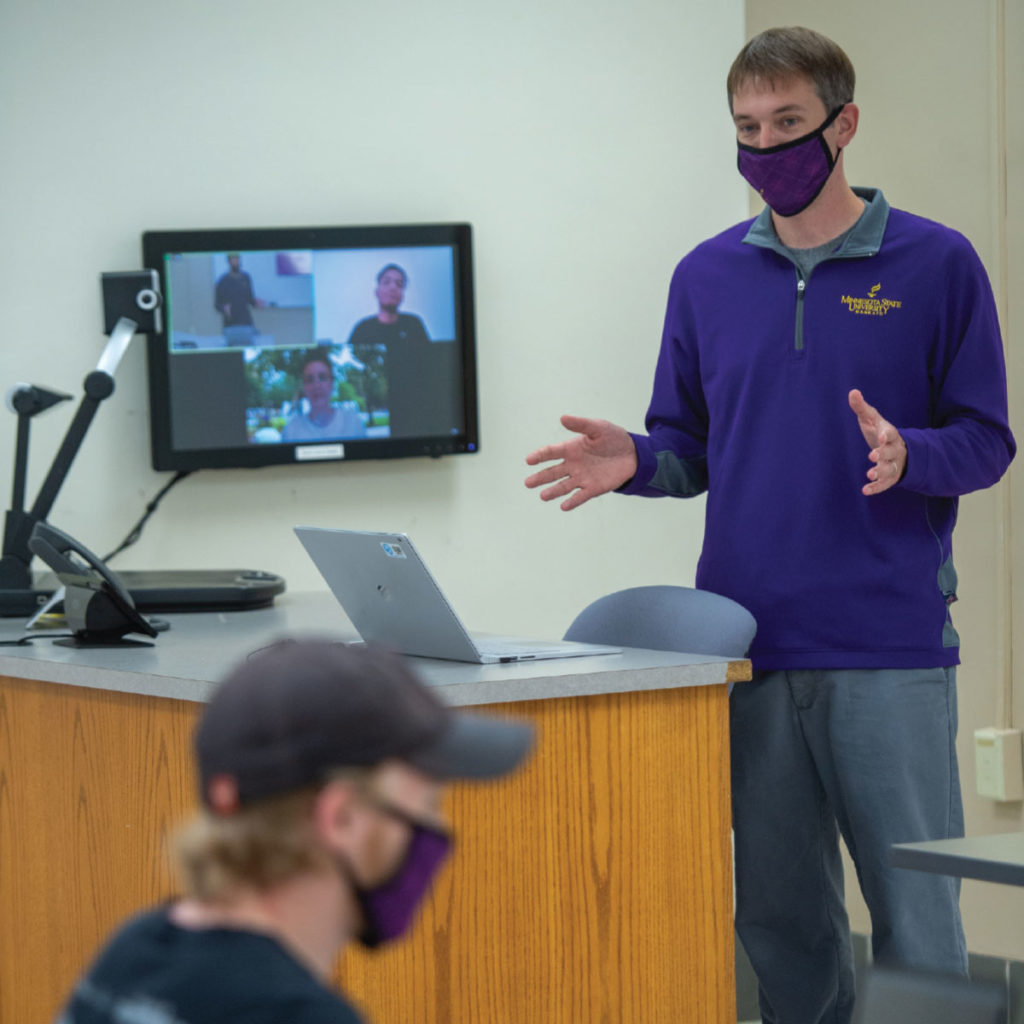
{"x": 592, "y": 886}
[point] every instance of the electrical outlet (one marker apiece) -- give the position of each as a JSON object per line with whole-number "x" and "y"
{"x": 999, "y": 762}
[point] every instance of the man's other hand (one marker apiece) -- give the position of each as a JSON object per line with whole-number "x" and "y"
{"x": 888, "y": 450}
{"x": 601, "y": 459}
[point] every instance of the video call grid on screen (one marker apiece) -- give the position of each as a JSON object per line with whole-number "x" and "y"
{"x": 232, "y": 378}
{"x": 320, "y": 295}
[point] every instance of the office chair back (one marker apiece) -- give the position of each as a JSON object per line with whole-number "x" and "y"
{"x": 667, "y": 618}
{"x": 888, "y": 996}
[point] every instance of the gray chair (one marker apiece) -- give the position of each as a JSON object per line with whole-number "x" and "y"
{"x": 888, "y": 996}
{"x": 666, "y": 618}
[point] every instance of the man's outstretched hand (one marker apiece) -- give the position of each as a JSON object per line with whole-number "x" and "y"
{"x": 601, "y": 459}
{"x": 888, "y": 450}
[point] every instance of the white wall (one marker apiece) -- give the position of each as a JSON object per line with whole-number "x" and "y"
{"x": 589, "y": 146}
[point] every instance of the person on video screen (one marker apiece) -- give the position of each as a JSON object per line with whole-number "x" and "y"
{"x": 408, "y": 359}
{"x": 319, "y": 418}
{"x": 387, "y": 326}
{"x": 234, "y": 299}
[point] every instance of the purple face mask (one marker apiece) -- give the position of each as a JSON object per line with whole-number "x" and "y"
{"x": 789, "y": 176}
{"x": 388, "y": 908}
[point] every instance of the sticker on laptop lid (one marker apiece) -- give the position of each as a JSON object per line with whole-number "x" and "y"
{"x": 392, "y": 550}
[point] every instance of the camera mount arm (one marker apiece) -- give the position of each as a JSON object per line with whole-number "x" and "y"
{"x": 98, "y": 385}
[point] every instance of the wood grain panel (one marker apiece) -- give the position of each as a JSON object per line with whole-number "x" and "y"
{"x": 594, "y": 886}
{"x": 90, "y": 784}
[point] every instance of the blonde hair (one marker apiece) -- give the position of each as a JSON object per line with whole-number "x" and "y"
{"x": 257, "y": 847}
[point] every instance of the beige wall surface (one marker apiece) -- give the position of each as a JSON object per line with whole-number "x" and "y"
{"x": 1012, "y": 245}
{"x": 933, "y": 87}
{"x": 570, "y": 137}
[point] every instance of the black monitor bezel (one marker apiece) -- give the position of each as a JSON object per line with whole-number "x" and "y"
{"x": 157, "y": 244}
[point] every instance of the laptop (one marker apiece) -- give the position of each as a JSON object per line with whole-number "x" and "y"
{"x": 392, "y": 599}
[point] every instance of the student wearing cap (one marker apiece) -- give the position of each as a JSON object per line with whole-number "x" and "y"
{"x": 322, "y": 769}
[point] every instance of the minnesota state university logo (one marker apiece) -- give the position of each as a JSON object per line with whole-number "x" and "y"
{"x": 874, "y": 304}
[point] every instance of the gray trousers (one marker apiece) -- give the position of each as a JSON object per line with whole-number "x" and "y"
{"x": 870, "y": 754}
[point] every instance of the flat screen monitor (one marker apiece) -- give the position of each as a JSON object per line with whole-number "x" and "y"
{"x": 290, "y": 345}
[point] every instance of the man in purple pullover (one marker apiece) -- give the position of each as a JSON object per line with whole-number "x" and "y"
{"x": 832, "y": 374}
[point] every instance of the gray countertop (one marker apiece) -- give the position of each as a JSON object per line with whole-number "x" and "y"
{"x": 186, "y": 662}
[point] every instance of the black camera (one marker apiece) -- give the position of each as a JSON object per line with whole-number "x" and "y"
{"x": 135, "y": 295}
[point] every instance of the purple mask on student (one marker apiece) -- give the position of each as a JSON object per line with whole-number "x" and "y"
{"x": 789, "y": 176}
{"x": 388, "y": 909}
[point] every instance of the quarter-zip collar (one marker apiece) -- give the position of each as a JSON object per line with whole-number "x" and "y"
{"x": 864, "y": 240}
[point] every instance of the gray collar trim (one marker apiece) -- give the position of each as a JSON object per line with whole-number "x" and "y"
{"x": 864, "y": 240}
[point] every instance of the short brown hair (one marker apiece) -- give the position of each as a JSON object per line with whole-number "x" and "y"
{"x": 778, "y": 54}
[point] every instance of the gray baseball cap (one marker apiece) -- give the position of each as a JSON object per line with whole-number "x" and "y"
{"x": 290, "y": 713}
